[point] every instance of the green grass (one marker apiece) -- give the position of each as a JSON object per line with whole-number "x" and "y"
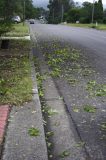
{"x": 79, "y": 25}
{"x": 100, "y": 26}
{"x": 15, "y": 70}
{"x": 89, "y": 108}
{"x": 18, "y": 30}
{"x": 34, "y": 132}
{"x": 64, "y": 154}
{"x": 96, "y": 89}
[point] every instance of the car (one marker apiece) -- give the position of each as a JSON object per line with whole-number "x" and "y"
{"x": 16, "y": 19}
{"x": 31, "y": 21}
{"x": 43, "y": 20}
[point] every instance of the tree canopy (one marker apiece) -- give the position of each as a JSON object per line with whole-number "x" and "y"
{"x": 10, "y": 8}
{"x": 74, "y": 12}
{"x": 57, "y": 8}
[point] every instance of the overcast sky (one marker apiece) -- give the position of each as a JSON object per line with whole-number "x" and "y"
{"x": 43, "y": 3}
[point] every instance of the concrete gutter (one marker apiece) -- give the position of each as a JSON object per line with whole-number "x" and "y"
{"x": 65, "y": 138}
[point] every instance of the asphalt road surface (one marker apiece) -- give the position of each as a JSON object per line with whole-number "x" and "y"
{"x": 92, "y": 40}
{"x": 90, "y": 126}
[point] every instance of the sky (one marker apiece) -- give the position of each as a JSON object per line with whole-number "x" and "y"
{"x": 43, "y": 3}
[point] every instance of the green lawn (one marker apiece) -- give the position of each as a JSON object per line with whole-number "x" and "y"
{"x": 15, "y": 73}
{"x": 100, "y": 26}
{"x": 19, "y": 30}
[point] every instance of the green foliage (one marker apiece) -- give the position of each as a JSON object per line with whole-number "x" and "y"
{"x": 10, "y": 8}
{"x": 18, "y": 30}
{"x": 55, "y": 9}
{"x": 73, "y": 15}
{"x": 84, "y": 13}
{"x": 15, "y": 81}
{"x": 34, "y": 132}
{"x": 104, "y": 20}
{"x": 89, "y": 108}
{"x": 98, "y": 12}
{"x": 49, "y": 134}
{"x": 103, "y": 126}
{"x": 15, "y": 7}
{"x": 64, "y": 154}
{"x": 5, "y": 27}
{"x": 96, "y": 89}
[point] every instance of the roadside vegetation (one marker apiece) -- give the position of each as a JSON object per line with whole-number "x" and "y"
{"x": 99, "y": 26}
{"x": 18, "y": 30}
{"x": 15, "y": 81}
{"x": 71, "y": 12}
{"x": 23, "y": 9}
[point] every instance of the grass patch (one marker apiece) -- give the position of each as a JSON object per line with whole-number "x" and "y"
{"x": 59, "y": 58}
{"x": 15, "y": 81}
{"x": 103, "y": 126}
{"x": 80, "y": 144}
{"x": 89, "y": 108}
{"x": 49, "y": 111}
{"x": 64, "y": 154}
{"x": 100, "y": 26}
{"x": 96, "y": 89}
{"x": 72, "y": 80}
{"x": 80, "y": 25}
{"x": 55, "y": 72}
{"x": 34, "y": 132}
{"x": 39, "y": 82}
{"x": 49, "y": 134}
{"x": 18, "y": 30}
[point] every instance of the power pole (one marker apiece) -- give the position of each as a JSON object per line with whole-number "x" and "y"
{"x": 53, "y": 16}
{"x": 24, "y": 13}
{"x": 93, "y": 10}
{"x": 62, "y": 12}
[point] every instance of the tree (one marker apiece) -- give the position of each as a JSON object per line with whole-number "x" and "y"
{"x": 86, "y": 12}
{"x": 73, "y": 15}
{"x": 9, "y": 8}
{"x": 98, "y": 14}
{"x": 104, "y": 16}
{"x": 57, "y": 8}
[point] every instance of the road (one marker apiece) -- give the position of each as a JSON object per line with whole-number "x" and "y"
{"x": 92, "y": 40}
{"x": 90, "y": 126}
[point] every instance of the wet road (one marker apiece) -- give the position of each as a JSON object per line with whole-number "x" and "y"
{"x": 93, "y": 45}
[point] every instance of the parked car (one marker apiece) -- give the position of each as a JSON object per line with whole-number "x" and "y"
{"x": 16, "y": 19}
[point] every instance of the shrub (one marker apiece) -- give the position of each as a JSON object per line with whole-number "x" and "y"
{"x": 5, "y": 27}
{"x": 104, "y": 20}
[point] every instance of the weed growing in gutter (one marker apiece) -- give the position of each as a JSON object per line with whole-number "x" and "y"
{"x": 47, "y": 111}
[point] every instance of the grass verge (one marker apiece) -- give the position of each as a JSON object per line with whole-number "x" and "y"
{"x": 15, "y": 81}
{"x": 18, "y": 30}
{"x": 100, "y": 26}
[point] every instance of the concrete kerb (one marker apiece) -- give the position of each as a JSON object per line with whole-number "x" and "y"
{"x": 36, "y": 97}
{"x": 17, "y": 38}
